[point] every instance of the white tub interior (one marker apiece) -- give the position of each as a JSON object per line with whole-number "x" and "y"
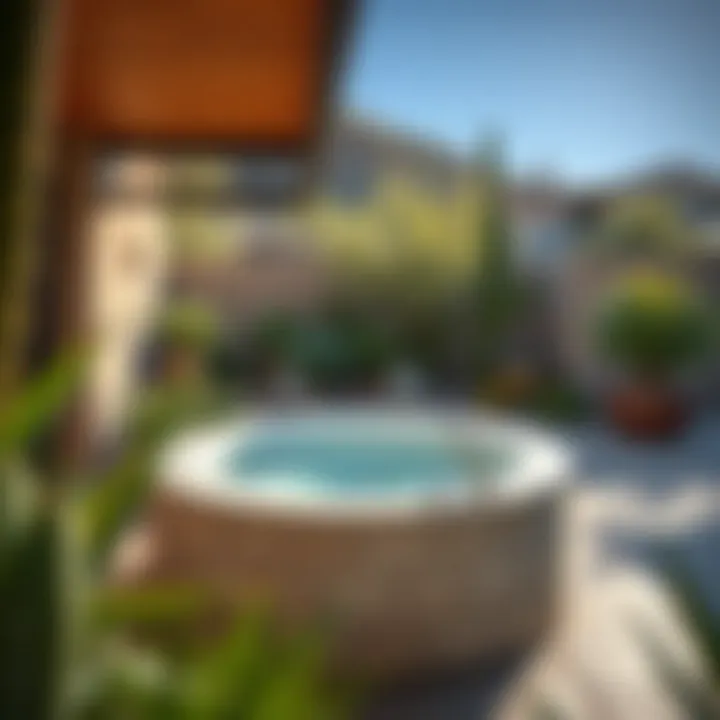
{"x": 198, "y": 462}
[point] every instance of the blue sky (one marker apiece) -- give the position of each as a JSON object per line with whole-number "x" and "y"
{"x": 585, "y": 88}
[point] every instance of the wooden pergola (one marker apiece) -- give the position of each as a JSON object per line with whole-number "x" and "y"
{"x": 228, "y": 74}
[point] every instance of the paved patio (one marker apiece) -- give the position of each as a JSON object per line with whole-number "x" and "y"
{"x": 630, "y": 502}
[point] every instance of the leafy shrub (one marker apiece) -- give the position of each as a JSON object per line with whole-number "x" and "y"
{"x": 559, "y": 402}
{"x": 250, "y": 356}
{"x": 344, "y": 351}
{"x": 189, "y": 324}
{"x": 65, "y": 646}
{"x": 645, "y": 225}
{"x": 653, "y": 325}
{"x": 546, "y": 398}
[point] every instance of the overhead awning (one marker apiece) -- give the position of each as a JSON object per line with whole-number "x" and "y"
{"x": 246, "y": 74}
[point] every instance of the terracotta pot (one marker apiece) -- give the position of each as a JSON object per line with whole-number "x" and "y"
{"x": 648, "y": 411}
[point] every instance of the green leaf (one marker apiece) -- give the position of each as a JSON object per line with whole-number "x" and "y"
{"x": 18, "y": 506}
{"x": 226, "y": 681}
{"x": 40, "y": 598}
{"x": 125, "y": 606}
{"x": 117, "y": 495}
{"x": 651, "y": 323}
{"x": 126, "y": 683}
{"x": 112, "y": 502}
{"x": 39, "y": 403}
{"x": 294, "y": 690}
{"x": 189, "y": 324}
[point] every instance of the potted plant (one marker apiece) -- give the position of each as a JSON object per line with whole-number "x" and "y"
{"x": 653, "y": 327}
{"x": 187, "y": 332}
{"x": 270, "y": 347}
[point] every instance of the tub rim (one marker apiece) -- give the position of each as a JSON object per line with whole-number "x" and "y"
{"x": 544, "y": 475}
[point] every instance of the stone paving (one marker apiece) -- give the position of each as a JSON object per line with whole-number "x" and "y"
{"x": 630, "y": 502}
{"x": 633, "y": 500}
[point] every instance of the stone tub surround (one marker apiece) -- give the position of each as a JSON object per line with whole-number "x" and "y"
{"x": 413, "y": 589}
{"x": 401, "y": 598}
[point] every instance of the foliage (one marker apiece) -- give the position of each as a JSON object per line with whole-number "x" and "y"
{"x": 251, "y": 355}
{"x": 645, "y": 225}
{"x": 437, "y": 266}
{"x": 226, "y": 364}
{"x": 275, "y": 337}
{"x": 64, "y": 647}
{"x": 201, "y": 238}
{"x": 496, "y": 291}
{"x": 403, "y": 242}
{"x": 559, "y": 402}
{"x": 41, "y": 401}
{"x": 653, "y": 325}
{"x": 424, "y": 338}
{"x": 344, "y": 350}
{"x": 189, "y": 324}
{"x": 547, "y": 398}
{"x": 59, "y": 658}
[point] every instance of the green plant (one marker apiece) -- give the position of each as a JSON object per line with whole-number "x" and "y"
{"x": 246, "y": 357}
{"x": 559, "y": 402}
{"x": 275, "y": 338}
{"x": 189, "y": 324}
{"x": 65, "y": 649}
{"x": 645, "y": 226}
{"x": 653, "y": 325}
{"x": 497, "y": 293}
{"x": 345, "y": 350}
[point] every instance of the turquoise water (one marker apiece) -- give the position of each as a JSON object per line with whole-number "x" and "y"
{"x": 359, "y": 467}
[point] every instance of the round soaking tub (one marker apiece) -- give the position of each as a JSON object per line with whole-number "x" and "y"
{"x": 424, "y": 538}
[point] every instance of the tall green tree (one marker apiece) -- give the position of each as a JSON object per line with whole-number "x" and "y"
{"x": 495, "y": 291}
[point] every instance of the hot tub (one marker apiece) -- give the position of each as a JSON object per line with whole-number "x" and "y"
{"x": 425, "y": 538}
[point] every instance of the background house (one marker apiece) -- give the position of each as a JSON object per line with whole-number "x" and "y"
{"x": 582, "y": 277}
{"x": 359, "y": 153}
{"x": 245, "y": 265}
